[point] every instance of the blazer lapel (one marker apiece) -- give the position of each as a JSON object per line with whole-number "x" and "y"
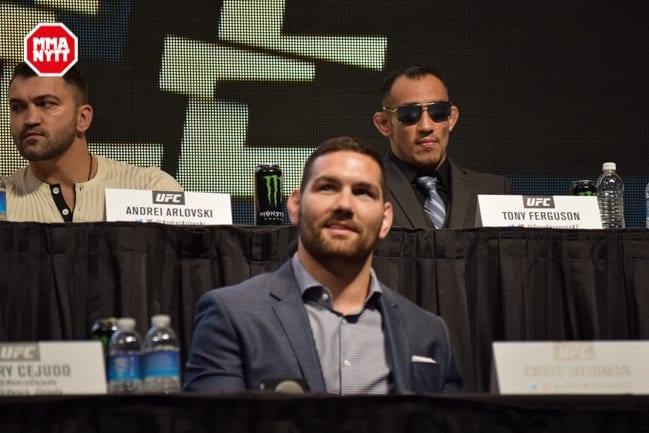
{"x": 460, "y": 198}
{"x": 397, "y": 342}
{"x": 403, "y": 197}
{"x": 289, "y": 309}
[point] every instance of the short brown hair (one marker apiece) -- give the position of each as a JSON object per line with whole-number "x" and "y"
{"x": 339, "y": 144}
{"x": 73, "y": 77}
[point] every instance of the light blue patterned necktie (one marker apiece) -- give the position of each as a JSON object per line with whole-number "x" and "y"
{"x": 434, "y": 206}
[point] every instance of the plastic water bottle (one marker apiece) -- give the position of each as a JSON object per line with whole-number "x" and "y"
{"x": 124, "y": 375}
{"x": 610, "y": 197}
{"x": 3, "y": 201}
{"x": 161, "y": 357}
{"x": 646, "y": 199}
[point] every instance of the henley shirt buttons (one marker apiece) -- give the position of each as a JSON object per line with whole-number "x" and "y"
{"x": 347, "y": 363}
{"x": 65, "y": 211}
{"x": 56, "y": 190}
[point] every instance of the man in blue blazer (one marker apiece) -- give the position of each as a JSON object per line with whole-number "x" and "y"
{"x": 323, "y": 318}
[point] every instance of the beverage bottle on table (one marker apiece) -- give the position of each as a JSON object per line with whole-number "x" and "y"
{"x": 101, "y": 331}
{"x": 610, "y": 197}
{"x": 161, "y": 357}
{"x": 3, "y": 201}
{"x": 124, "y": 375}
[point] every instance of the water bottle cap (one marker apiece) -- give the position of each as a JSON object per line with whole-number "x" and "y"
{"x": 160, "y": 320}
{"x": 126, "y": 323}
{"x": 609, "y": 166}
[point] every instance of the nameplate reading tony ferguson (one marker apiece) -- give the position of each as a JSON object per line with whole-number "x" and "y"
{"x": 546, "y": 211}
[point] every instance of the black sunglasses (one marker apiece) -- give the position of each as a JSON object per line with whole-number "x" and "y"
{"x": 410, "y": 114}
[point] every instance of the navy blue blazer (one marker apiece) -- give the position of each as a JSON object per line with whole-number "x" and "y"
{"x": 259, "y": 330}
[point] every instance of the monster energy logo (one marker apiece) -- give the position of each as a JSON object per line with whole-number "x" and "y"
{"x": 272, "y": 189}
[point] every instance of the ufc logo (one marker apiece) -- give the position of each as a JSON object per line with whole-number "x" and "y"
{"x": 538, "y": 201}
{"x": 20, "y": 352}
{"x": 572, "y": 352}
{"x": 162, "y": 197}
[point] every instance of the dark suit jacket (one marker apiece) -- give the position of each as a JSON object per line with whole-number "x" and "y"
{"x": 259, "y": 329}
{"x": 465, "y": 186}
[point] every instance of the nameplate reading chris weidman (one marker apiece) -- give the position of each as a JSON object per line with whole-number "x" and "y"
{"x": 549, "y": 211}
{"x": 168, "y": 207}
{"x": 53, "y": 367}
{"x": 570, "y": 367}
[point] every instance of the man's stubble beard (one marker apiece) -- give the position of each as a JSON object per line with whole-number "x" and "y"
{"x": 52, "y": 147}
{"x": 343, "y": 253}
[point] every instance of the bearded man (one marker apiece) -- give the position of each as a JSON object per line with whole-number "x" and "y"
{"x": 323, "y": 319}
{"x": 63, "y": 181}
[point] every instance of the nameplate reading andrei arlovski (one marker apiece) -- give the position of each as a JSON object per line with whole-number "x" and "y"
{"x": 549, "y": 211}
{"x": 168, "y": 207}
{"x": 53, "y": 367}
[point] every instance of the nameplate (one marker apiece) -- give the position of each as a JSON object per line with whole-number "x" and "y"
{"x": 549, "y": 211}
{"x": 597, "y": 367}
{"x": 168, "y": 207}
{"x": 52, "y": 368}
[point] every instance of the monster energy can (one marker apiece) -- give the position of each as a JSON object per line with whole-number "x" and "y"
{"x": 583, "y": 187}
{"x": 269, "y": 201}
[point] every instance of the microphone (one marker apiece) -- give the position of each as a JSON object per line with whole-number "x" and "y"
{"x": 284, "y": 386}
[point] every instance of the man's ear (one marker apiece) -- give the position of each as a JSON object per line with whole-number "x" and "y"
{"x": 455, "y": 116}
{"x": 382, "y": 123}
{"x": 386, "y": 224}
{"x": 293, "y": 206}
{"x": 84, "y": 117}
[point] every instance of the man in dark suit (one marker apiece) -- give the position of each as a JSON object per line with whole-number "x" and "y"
{"x": 323, "y": 318}
{"x": 417, "y": 117}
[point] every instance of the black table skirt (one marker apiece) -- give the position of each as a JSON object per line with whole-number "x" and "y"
{"x": 272, "y": 413}
{"x": 490, "y": 284}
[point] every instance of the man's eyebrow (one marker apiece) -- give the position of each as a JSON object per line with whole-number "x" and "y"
{"x": 325, "y": 178}
{"x": 367, "y": 185}
{"x": 334, "y": 179}
{"x": 36, "y": 98}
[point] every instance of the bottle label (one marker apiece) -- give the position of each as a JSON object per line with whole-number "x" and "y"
{"x": 124, "y": 367}
{"x": 161, "y": 363}
{"x": 3, "y": 204}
